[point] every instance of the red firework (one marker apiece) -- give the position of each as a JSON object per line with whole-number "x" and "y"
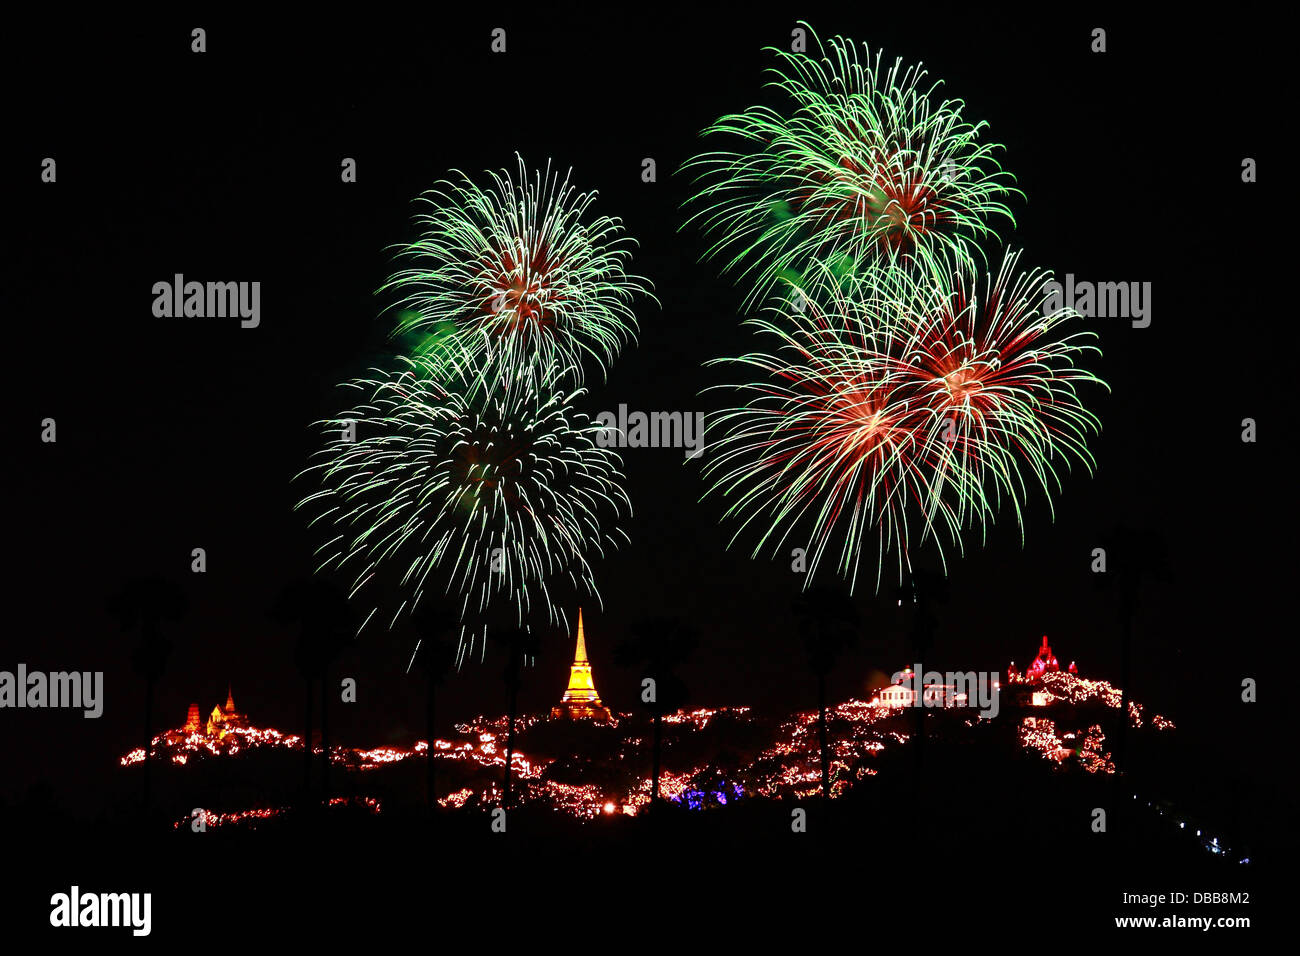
{"x": 525, "y": 292}
{"x": 885, "y": 198}
{"x": 925, "y": 402}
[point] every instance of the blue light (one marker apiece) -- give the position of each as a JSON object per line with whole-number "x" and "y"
{"x": 699, "y": 799}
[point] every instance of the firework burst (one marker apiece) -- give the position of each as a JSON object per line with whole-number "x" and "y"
{"x": 498, "y": 498}
{"x": 868, "y": 166}
{"x": 517, "y": 272}
{"x": 922, "y": 402}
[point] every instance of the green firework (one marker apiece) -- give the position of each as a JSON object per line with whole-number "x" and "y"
{"x": 866, "y": 165}
{"x": 430, "y": 488}
{"x": 517, "y": 273}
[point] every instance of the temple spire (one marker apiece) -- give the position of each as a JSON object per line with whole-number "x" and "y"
{"x": 580, "y": 656}
{"x": 580, "y": 699}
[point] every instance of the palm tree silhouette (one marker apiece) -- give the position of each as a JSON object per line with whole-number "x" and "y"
{"x": 828, "y": 622}
{"x": 434, "y": 655}
{"x": 145, "y": 603}
{"x": 920, "y": 591}
{"x": 1135, "y": 557}
{"x": 521, "y": 646}
{"x": 659, "y": 646}
{"x": 325, "y": 626}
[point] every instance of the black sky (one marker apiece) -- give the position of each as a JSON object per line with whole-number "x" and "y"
{"x": 175, "y": 434}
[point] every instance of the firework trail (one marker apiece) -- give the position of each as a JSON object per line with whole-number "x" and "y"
{"x": 514, "y": 275}
{"x": 868, "y": 166}
{"x": 433, "y": 488}
{"x": 914, "y": 406}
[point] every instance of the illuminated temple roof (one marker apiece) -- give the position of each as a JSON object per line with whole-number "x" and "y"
{"x": 227, "y": 717}
{"x": 1044, "y": 663}
{"x": 580, "y": 700}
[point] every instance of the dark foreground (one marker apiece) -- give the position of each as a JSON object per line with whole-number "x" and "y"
{"x": 966, "y": 864}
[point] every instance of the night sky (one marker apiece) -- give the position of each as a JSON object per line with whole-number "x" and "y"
{"x": 183, "y": 433}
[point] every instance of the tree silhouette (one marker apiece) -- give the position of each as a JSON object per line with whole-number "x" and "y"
{"x": 920, "y": 591}
{"x": 1134, "y": 557}
{"x": 144, "y": 603}
{"x": 437, "y": 626}
{"x": 521, "y": 646}
{"x": 325, "y": 626}
{"x": 828, "y": 623}
{"x": 658, "y": 646}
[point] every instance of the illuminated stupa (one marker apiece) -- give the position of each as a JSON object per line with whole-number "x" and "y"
{"x": 580, "y": 700}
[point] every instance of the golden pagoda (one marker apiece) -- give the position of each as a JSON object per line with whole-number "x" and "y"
{"x": 580, "y": 700}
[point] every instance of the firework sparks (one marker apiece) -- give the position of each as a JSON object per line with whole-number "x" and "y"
{"x": 868, "y": 166}
{"x": 490, "y": 496}
{"x": 517, "y": 272}
{"x": 929, "y": 399}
